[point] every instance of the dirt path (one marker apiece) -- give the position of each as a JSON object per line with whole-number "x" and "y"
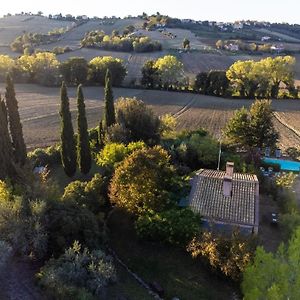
{"x": 17, "y": 282}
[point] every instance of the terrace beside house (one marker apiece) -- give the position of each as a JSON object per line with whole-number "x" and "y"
{"x": 226, "y": 200}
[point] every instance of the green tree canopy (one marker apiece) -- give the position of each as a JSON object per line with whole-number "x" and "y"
{"x": 138, "y": 120}
{"x": 99, "y": 65}
{"x": 253, "y": 128}
{"x": 74, "y": 70}
{"x": 143, "y": 182}
{"x": 274, "y": 276}
{"x": 262, "y": 79}
{"x": 171, "y": 71}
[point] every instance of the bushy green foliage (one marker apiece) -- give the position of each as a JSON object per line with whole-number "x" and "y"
{"x": 144, "y": 182}
{"x": 98, "y": 67}
{"x": 274, "y": 275}
{"x": 253, "y": 128}
{"x": 194, "y": 149}
{"x": 42, "y": 68}
{"x": 21, "y": 223}
{"x": 293, "y": 152}
{"x": 29, "y": 40}
{"x": 174, "y": 226}
{"x": 78, "y": 274}
{"x": 114, "y": 153}
{"x": 116, "y": 42}
{"x": 66, "y": 222}
{"x": 138, "y": 121}
{"x": 229, "y": 255}
{"x": 164, "y": 72}
{"x": 91, "y": 194}
{"x": 6, "y": 66}
{"x": 261, "y": 79}
{"x": 286, "y": 180}
{"x": 45, "y": 157}
{"x": 74, "y": 70}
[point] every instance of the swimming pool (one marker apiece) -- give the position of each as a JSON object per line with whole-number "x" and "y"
{"x": 285, "y": 165}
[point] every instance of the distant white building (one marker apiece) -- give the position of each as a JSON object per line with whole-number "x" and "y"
{"x": 232, "y": 47}
{"x": 265, "y": 38}
{"x": 277, "y": 48}
{"x": 238, "y": 26}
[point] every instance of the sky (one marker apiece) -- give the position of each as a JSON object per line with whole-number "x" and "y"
{"x": 213, "y": 10}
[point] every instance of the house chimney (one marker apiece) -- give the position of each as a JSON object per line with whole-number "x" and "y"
{"x": 227, "y": 186}
{"x": 227, "y": 180}
{"x": 229, "y": 169}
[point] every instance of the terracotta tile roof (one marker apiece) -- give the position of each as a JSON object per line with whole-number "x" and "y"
{"x": 207, "y": 197}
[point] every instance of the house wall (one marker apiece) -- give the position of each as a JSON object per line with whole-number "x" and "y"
{"x": 227, "y": 228}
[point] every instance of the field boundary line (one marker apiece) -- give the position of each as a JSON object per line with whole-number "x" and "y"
{"x": 186, "y": 107}
{"x": 281, "y": 121}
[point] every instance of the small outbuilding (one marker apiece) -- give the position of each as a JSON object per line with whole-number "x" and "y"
{"x": 226, "y": 199}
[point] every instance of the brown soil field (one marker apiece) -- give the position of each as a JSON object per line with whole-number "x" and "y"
{"x": 11, "y": 27}
{"x": 39, "y": 108}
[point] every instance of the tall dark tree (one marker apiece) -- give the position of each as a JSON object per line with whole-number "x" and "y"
{"x": 150, "y": 74}
{"x": 109, "y": 107}
{"x": 83, "y": 144}
{"x": 101, "y": 135}
{"x": 15, "y": 126}
{"x": 6, "y": 151}
{"x": 68, "y": 146}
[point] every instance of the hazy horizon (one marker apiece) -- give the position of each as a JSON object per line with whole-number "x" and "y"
{"x": 218, "y": 10}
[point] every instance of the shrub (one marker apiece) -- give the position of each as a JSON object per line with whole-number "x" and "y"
{"x": 78, "y": 274}
{"x": 21, "y": 224}
{"x": 66, "y": 222}
{"x": 228, "y": 255}
{"x": 112, "y": 154}
{"x": 138, "y": 120}
{"x": 45, "y": 157}
{"x": 91, "y": 194}
{"x": 174, "y": 226}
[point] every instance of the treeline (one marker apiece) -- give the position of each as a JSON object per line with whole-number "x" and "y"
{"x": 25, "y": 43}
{"x": 44, "y": 68}
{"x": 267, "y": 78}
{"x": 117, "y": 42}
{"x": 263, "y": 79}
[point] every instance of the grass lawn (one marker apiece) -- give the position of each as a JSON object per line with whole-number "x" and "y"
{"x": 178, "y": 274}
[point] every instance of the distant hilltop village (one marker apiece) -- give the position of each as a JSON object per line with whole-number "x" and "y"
{"x": 166, "y": 20}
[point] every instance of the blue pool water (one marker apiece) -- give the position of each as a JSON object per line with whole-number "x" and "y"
{"x": 285, "y": 165}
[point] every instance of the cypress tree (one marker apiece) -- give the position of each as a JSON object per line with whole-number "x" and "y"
{"x": 15, "y": 125}
{"x": 7, "y": 168}
{"x": 83, "y": 144}
{"x": 109, "y": 107}
{"x": 101, "y": 135}
{"x": 68, "y": 147}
